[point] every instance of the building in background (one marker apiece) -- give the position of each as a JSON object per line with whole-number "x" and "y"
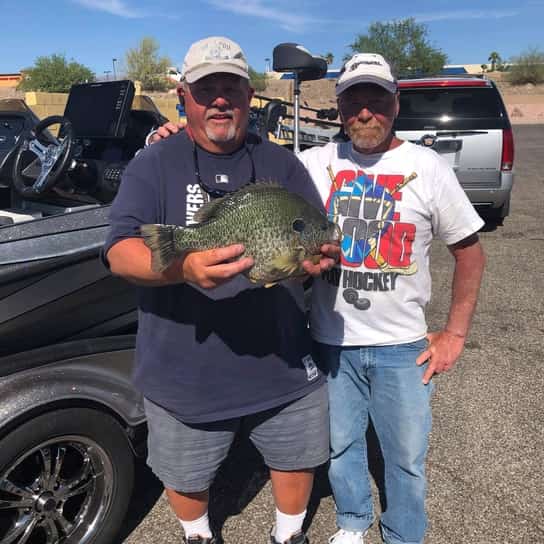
{"x": 10, "y": 80}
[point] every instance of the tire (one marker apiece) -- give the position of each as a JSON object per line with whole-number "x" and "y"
{"x": 67, "y": 476}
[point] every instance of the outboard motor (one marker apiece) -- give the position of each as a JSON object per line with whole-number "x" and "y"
{"x": 292, "y": 57}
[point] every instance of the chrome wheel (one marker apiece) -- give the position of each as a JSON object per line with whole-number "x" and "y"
{"x": 59, "y": 491}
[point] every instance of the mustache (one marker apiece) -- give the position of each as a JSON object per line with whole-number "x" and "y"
{"x": 215, "y": 111}
{"x": 356, "y": 127}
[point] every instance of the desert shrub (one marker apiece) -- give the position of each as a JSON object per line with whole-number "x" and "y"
{"x": 527, "y": 68}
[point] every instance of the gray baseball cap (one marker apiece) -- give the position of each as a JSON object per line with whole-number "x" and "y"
{"x": 212, "y": 55}
{"x": 366, "y": 68}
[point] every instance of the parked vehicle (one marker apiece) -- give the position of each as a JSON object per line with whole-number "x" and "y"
{"x": 463, "y": 119}
{"x": 70, "y": 421}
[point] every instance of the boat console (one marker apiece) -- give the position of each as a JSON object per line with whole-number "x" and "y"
{"x": 55, "y": 190}
{"x": 102, "y": 128}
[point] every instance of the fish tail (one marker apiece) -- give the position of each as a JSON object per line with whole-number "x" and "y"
{"x": 160, "y": 240}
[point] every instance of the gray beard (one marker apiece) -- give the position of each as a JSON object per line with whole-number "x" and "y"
{"x": 361, "y": 141}
{"x": 231, "y": 133}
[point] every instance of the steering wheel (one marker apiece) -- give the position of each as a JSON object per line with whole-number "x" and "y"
{"x": 53, "y": 158}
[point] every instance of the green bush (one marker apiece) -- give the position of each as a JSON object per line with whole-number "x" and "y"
{"x": 527, "y": 68}
{"x": 54, "y": 74}
{"x": 404, "y": 44}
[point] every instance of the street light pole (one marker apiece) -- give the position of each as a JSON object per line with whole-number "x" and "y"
{"x": 114, "y": 72}
{"x": 107, "y": 72}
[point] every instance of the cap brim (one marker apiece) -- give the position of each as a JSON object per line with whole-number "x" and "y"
{"x": 389, "y": 86}
{"x": 208, "y": 69}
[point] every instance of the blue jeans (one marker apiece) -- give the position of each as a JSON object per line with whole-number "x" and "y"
{"x": 383, "y": 383}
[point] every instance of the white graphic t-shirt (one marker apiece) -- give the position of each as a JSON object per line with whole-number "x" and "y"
{"x": 389, "y": 206}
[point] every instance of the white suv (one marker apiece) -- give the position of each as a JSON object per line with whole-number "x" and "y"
{"x": 463, "y": 119}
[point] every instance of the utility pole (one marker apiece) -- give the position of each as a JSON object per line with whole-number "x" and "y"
{"x": 114, "y": 72}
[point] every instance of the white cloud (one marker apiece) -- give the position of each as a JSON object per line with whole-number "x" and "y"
{"x": 113, "y": 7}
{"x": 463, "y": 15}
{"x": 258, "y": 8}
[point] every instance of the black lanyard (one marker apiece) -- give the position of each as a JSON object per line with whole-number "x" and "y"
{"x": 218, "y": 193}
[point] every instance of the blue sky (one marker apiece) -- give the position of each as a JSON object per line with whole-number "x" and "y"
{"x": 93, "y": 32}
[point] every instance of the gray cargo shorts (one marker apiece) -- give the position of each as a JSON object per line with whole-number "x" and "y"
{"x": 186, "y": 457}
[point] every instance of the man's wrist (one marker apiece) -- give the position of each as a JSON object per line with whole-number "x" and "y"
{"x": 456, "y": 334}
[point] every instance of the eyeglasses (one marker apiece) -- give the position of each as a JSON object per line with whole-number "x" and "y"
{"x": 218, "y": 193}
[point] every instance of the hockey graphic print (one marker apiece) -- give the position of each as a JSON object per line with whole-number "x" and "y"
{"x": 376, "y": 243}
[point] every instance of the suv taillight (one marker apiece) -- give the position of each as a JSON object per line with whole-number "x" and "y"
{"x": 507, "y": 160}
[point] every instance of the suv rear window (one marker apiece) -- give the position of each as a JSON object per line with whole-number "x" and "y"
{"x": 456, "y": 108}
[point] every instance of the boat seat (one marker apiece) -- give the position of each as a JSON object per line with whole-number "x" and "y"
{"x": 292, "y": 57}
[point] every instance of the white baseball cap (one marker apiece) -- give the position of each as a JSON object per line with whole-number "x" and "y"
{"x": 366, "y": 68}
{"x": 212, "y": 55}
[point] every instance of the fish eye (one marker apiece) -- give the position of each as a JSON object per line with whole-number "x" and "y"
{"x": 299, "y": 225}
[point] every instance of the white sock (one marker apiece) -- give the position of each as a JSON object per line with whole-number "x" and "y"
{"x": 200, "y": 526}
{"x": 287, "y": 525}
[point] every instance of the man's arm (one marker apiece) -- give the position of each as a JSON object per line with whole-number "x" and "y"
{"x": 131, "y": 259}
{"x": 446, "y": 346}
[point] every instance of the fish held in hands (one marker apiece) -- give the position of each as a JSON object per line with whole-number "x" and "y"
{"x": 278, "y": 229}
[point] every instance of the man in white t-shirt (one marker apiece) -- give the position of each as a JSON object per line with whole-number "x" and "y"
{"x": 390, "y": 197}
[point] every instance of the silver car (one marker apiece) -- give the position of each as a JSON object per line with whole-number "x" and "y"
{"x": 463, "y": 119}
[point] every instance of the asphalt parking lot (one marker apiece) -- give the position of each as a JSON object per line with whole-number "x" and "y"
{"x": 486, "y": 461}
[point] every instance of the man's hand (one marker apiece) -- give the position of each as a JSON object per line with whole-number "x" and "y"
{"x": 330, "y": 255}
{"x": 164, "y": 131}
{"x": 441, "y": 354}
{"x": 446, "y": 346}
{"x": 212, "y": 267}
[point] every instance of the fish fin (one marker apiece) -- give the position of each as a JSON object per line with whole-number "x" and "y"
{"x": 287, "y": 264}
{"x": 209, "y": 210}
{"x": 160, "y": 240}
{"x": 257, "y": 187}
{"x": 216, "y": 207}
{"x": 261, "y": 185}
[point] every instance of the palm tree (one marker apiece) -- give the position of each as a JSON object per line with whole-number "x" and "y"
{"x": 494, "y": 59}
{"x": 329, "y": 57}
